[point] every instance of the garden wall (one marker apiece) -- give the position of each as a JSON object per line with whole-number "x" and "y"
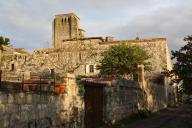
{"x": 42, "y": 110}
{"x": 123, "y": 98}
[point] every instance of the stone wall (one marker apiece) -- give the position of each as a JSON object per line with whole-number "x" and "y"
{"x": 123, "y": 98}
{"x": 43, "y": 110}
{"x": 156, "y": 48}
{"x": 156, "y": 96}
{"x": 12, "y": 61}
{"x": 78, "y": 53}
{"x": 74, "y": 57}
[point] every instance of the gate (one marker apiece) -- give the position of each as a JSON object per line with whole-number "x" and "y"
{"x": 93, "y": 106}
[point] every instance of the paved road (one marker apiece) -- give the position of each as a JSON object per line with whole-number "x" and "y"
{"x": 180, "y": 117}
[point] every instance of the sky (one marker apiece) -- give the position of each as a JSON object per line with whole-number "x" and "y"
{"x": 28, "y": 23}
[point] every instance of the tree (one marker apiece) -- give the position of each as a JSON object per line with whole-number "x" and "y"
{"x": 63, "y": 60}
{"x": 183, "y": 65}
{"x": 123, "y": 60}
{"x": 4, "y": 41}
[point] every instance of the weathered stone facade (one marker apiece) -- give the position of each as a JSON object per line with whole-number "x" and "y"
{"x": 66, "y": 26}
{"x": 43, "y": 110}
{"x": 74, "y": 53}
{"x": 122, "y": 97}
{"x": 12, "y": 61}
{"x": 157, "y": 48}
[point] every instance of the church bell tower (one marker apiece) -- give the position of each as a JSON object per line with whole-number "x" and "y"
{"x": 65, "y": 27}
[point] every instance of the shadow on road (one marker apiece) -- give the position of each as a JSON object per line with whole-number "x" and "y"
{"x": 180, "y": 117}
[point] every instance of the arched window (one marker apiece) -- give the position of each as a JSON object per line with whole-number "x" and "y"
{"x": 62, "y": 20}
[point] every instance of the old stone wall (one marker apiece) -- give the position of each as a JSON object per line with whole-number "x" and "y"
{"x": 78, "y": 55}
{"x": 125, "y": 97}
{"x": 156, "y": 48}
{"x": 82, "y": 54}
{"x": 157, "y": 87}
{"x": 156, "y": 96}
{"x": 75, "y": 56}
{"x": 122, "y": 99}
{"x": 43, "y": 110}
{"x": 12, "y": 61}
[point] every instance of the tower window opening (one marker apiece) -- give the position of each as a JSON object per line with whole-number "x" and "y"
{"x": 80, "y": 56}
{"x": 65, "y": 20}
{"x": 62, "y": 20}
{"x": 12, "y": 67}
{"x": 25, "y": 58}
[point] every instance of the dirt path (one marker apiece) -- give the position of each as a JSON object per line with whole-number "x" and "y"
{"x": 173, "y": 118}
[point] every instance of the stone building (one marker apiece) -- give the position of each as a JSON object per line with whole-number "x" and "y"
{"x": 12, "y": 61}
{"x": 74, "y": 53}
{"x": 82, "y": 54}
{"x": 66, "y": 26}
{"x": 72, "y": 47}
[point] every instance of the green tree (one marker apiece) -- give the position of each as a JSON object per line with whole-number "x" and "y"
{"x": 3, "y": 41}
{"x": 183, "y": 65}
{"x": 123, "y": 60}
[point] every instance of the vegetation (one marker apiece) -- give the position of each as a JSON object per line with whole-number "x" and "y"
{"x": 183, "y": 66}
{"x": 123, "y": 60}
{"x": 4, "y": 41}
{"x": 135, "y": 117}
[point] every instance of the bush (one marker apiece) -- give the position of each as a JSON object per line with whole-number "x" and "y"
{"x": 144, "y": 113}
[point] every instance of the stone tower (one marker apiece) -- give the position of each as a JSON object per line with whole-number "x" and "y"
{"x": 66, "y": 26}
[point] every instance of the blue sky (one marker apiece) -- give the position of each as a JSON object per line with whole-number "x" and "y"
{"x": 28, "y": 22}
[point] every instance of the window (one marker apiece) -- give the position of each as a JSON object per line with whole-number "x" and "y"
{"x": 12, "y": 67}
{"x": 52, "y": 73}
{"x": 65, "y": 20}
{"x": 25, "y": 58}
{"x": 80, "y": 57}
{"x": 91, "y": 68}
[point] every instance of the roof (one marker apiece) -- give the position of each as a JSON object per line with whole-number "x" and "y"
{"x": 98, "y": 81}
{"x": 21, "y": 50}
{"x": 110, "y": 81}
{"x": 133, "y": 41}
{"x": 87, "y": 38}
